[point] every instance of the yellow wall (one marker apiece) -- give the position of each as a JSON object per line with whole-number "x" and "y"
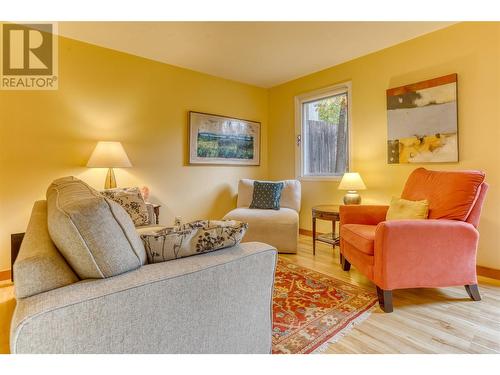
{"x": 470, "y": 49}
{"x": 108, "y": 95}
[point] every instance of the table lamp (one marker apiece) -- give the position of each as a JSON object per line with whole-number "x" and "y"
{"x": 109, "y": 155}
{"x": 352, "y": 182}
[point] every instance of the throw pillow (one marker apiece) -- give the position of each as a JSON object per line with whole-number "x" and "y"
{"x": 266, "y": 195}
{"x": 405, "y": 209}
{"x": 132, "y": 201}
{"x": 194, "y": 238}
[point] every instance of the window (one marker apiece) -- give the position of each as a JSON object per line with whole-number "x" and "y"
{"x": 323, "y": 133}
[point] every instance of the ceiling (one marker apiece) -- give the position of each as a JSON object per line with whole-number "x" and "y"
{"x": 264, "y": 54}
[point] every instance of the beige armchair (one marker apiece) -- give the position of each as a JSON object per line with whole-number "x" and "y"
{"x": 279, "y": 228}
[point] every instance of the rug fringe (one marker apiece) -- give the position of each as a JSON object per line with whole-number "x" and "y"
{"x": 332, "y": 340}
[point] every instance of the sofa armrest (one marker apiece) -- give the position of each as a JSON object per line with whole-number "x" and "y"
{"x": 362, "y": 214}
{"x": 425, "y": 253}
{"x": 200, "y": 304}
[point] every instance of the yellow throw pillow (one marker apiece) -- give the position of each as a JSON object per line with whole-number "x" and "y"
{"x": 405, "y": 209}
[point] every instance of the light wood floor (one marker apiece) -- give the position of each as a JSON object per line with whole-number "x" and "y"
{"x": 423, "y": 321}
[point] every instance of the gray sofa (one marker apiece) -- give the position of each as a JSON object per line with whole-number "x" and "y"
{"x": 219, "y": 302}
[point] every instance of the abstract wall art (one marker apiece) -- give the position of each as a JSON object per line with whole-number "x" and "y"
{"x": 422, "y": 122}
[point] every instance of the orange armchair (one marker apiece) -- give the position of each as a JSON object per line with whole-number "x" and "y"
{"x": 437, "y": 252}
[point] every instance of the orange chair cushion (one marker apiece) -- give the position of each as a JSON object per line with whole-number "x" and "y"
{"x": 451, "y": 194}
{"x": 360, "y": 236}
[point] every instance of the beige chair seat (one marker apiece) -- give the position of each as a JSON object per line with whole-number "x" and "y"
{"x": 278, "y": 228}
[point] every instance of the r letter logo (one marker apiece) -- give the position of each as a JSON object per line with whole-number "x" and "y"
{"x": 29, "y": 57}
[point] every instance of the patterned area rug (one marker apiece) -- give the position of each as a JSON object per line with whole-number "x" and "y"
{"x": 311, "y": 309}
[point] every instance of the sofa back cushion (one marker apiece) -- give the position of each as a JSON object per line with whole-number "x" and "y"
{"x": 451, "y": 194}
{"x": 94, "y": 234}
{"x": 40, "y": 267}
{"x": 290, "y": 195}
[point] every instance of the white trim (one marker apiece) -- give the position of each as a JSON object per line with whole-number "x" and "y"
{"x": 312, "y": 96}
{"x": 319, "y": 178}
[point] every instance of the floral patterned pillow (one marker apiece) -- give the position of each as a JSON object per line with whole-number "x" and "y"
{"x": 132, "y": 201}
{"x": 194, "y": 238}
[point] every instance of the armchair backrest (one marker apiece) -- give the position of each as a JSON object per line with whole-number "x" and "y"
{"x": 451, "y": 194}
{"x": 475, "y": 213}
{"x": 290, "y": 196}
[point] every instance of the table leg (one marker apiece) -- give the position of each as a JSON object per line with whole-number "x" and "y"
{"x": 333, "y": 234}
{"x": 314, "y": 236}
{"x": 157, "y": 214}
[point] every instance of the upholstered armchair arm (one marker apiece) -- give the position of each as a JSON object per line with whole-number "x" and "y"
{"x": 425, "y": 253}
{"x": 362, "y": 214}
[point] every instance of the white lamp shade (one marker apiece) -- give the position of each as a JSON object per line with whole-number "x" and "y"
{"x": 109, "y": 155}
{"x": 352, "y": 181}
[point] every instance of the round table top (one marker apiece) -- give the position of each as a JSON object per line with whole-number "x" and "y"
{"x": 326, "y": 208}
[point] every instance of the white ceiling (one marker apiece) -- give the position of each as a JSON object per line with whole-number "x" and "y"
{"x": 259, "y": 53}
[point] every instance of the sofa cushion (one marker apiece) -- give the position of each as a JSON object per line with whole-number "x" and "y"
{"x": 132, "y": 201}
{"x": 94, "y": 234}
{"x": 290, "y": 196}
{"x": 361, "y": 236}
{"x": 451, "y": 194}
{"x": 266, "y": 195}
{"x": 194, "y": 238}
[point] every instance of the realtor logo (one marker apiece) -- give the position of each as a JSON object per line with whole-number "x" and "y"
{"x": 29, "y": 57}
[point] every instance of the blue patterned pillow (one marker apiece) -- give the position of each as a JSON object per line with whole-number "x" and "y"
{"x": 266, "y": 195}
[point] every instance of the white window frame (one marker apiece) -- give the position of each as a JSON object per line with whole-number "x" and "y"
{"x": 299, "y": 131}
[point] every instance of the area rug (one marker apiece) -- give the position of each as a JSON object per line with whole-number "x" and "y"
{"x": 311, "y": 310}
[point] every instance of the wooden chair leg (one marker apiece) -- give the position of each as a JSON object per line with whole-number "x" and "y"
{"x": 346, "y": 266}
{"x": 385, "y": 300}
{"x": 473, "y": 292}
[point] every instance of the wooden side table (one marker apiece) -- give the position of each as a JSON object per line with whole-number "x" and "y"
{"x": 330, "y": 213}
{"x": 156, "y": 208}
{"x": 15, "y": 244}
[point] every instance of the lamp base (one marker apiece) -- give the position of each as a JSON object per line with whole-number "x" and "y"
{"x": 110, "y": 182}
{"x": 352, "y": 197}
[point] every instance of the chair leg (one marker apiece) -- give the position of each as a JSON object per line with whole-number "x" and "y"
{"x": 346, "y": 266}
{"x": 473, "y": 292}
{"x": 385, "y": 299}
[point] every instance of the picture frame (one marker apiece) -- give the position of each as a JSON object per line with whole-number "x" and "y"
{"x": 222, "y": 140}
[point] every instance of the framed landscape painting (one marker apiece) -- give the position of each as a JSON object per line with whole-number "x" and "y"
{"x": 215, "y": 139}
{"x": 422, "y": 122}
